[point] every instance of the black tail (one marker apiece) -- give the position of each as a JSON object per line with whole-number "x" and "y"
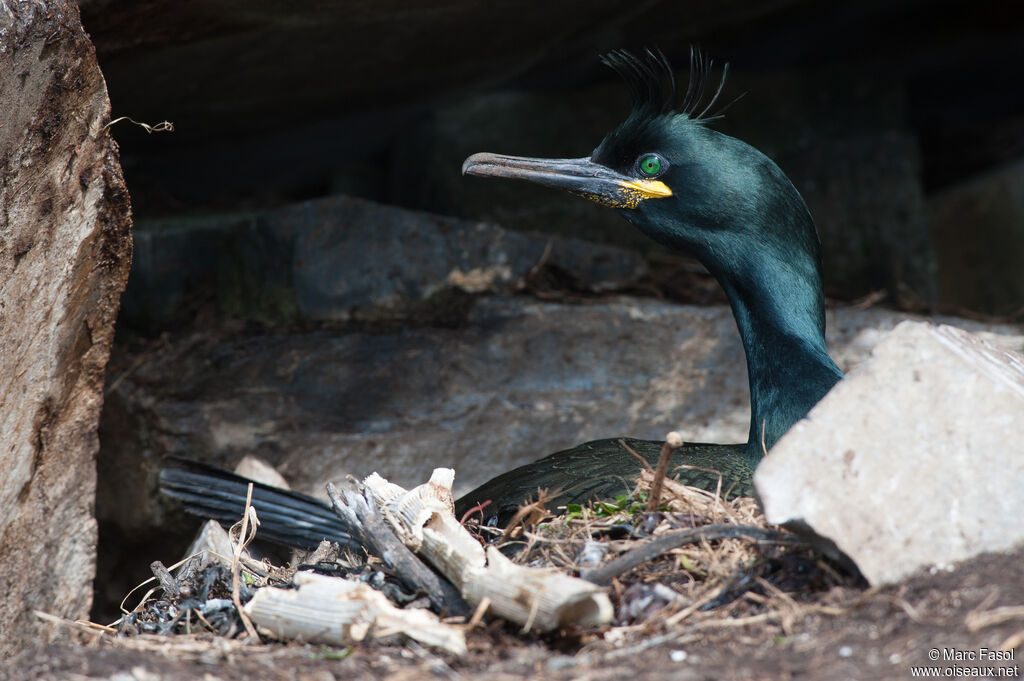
{"x": 286, "y": 517}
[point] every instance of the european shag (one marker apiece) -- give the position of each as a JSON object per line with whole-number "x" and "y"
{"x": 718, "y": 199}
{"x": 690, "y": 188}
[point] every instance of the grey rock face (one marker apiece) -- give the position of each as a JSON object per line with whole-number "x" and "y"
{"x": 915, "y": 459}
{"x": 520, "y": 380}
{"x": 64, "y": 252}
{"x": 355, "y": 256}
{"x": 341, "y": 258}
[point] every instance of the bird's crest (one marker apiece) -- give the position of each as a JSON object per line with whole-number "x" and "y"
{"x": 652, "y": 84}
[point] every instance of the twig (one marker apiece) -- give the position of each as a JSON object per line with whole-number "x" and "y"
{"x": 478, "y": 614}
{"x": 166, "y": 579}
{"x": 657, "y": 546}
{"x": 673, "y": 441}
{"x": 1013, "y": 641}
{"x": 976, "y": 621}
{"x": 911, "y": 611}
{"x": 91, "y": 627}
{"x": 162, "y": 126}
{"x": 236, "y": 563}
{"x": 476, "y": 509}
{"x": 645, "y": 462}
{"x": 870, "y": 300}
{"x": 709, "y": 595}
{"x": 736, "y": 622}
{"x": 531, "y": 513}
{"x": 677, "y": 637}
{"x": 791, "y": 608}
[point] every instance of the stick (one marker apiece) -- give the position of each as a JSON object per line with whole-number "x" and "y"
{"x": 236, "y": 563}
{"x": 656, "y": 546}
{"x": 673, "y": 441}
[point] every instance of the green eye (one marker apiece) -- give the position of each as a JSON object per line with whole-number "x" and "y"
{"x": 650, "y": 165}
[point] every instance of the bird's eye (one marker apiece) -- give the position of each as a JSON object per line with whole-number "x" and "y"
{"x": 651, "y": 165}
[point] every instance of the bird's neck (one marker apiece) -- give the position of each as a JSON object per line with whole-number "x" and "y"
{"x": 779, "y": 310}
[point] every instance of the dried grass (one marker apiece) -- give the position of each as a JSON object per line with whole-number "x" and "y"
{"x": 698, "y": 573}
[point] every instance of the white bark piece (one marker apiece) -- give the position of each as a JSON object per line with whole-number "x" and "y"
{"x": 340, "y": 612}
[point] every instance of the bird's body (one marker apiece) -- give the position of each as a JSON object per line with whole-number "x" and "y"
{"x": 712, "y": 196}
{"x": 604, "y": 469}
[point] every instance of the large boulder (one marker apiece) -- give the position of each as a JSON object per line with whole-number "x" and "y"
{"x": 915, "y": 459}
{"x": 340, "y": 258}
{"x": 64, "y": 256}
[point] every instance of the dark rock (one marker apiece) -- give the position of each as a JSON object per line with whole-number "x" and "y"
{"x": 279, "y": 103}
{"x": 341, "y": 258}
{"x": 521, "y": 379}
{"x": 352, "y": 255}
{"x": 979, "y": 234}
{"x": 64, "y": 254}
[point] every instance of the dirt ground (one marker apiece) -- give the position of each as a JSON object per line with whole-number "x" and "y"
{"x": 849, "y": 634}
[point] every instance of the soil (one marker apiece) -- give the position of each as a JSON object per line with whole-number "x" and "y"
{"x": 873, "y": 634}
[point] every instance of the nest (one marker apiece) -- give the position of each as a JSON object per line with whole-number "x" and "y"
{"x": 697, "y": 566}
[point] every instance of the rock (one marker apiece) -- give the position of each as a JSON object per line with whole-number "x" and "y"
{"x": 990, "y": 209}
{"x": 354, "y": 258}
{"x": 521, "y": 379}
{"x": 915, "y": 459}
{"x": 341, "y": 258}
{"x": 64, "y": 254}
{"x": 257, "y": 469}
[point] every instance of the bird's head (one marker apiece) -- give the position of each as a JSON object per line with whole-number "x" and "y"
{"x": 682, "y": 183}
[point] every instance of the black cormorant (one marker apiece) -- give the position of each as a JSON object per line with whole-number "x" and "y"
{"x": 690, "y": 188}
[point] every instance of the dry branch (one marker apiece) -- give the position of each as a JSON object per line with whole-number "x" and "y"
{"x": 341, "y": 612}
{"x": 656, "y": 546}
{"x": 540, "y": 599}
